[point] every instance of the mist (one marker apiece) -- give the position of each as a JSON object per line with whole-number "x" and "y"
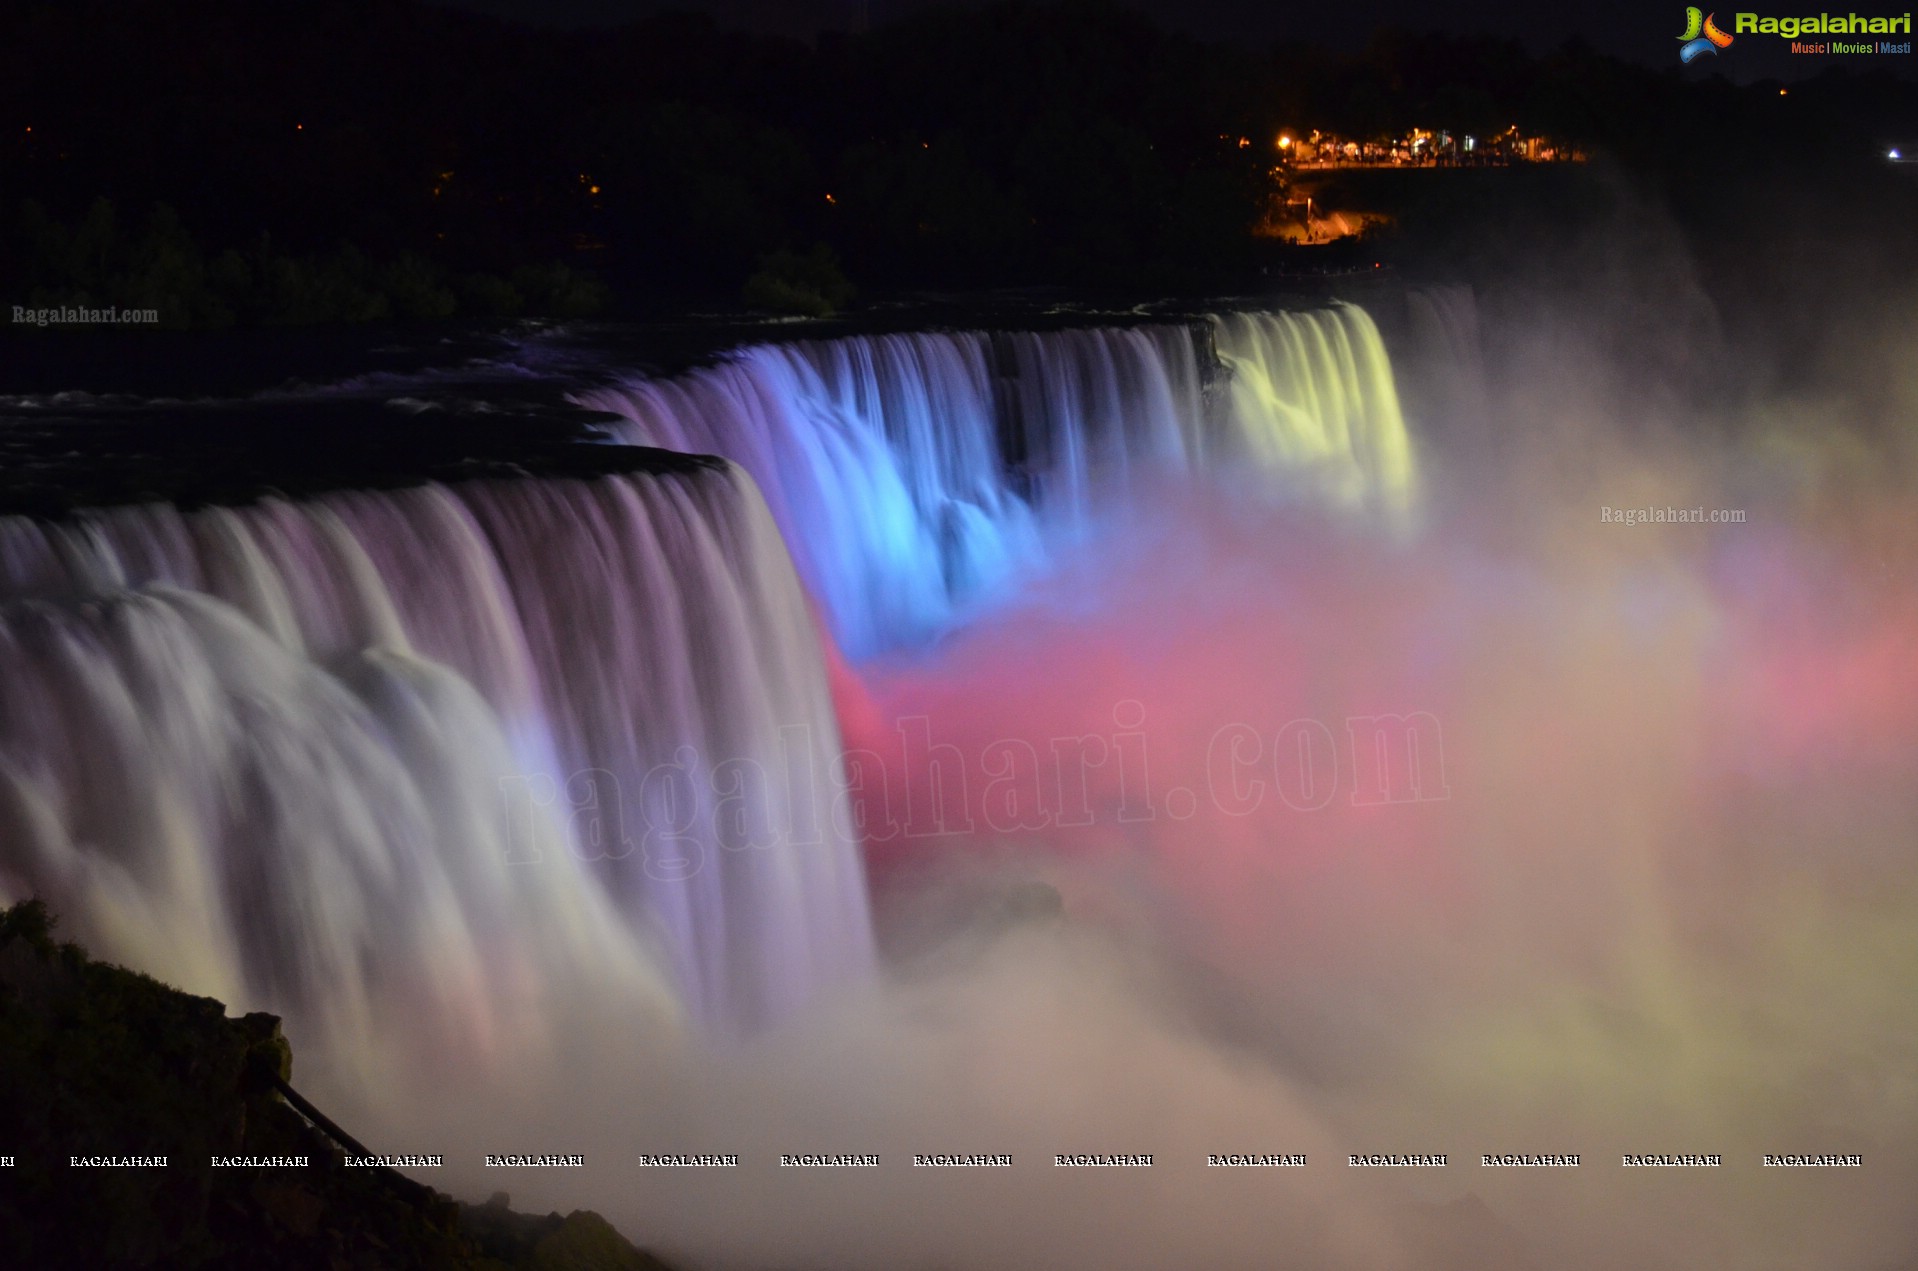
{"x": 1259, "y": 825}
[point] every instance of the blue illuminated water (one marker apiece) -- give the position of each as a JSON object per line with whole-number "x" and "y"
{"x": 916, "y": 474}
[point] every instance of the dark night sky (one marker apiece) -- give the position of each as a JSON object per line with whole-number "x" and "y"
{"x": 1643, "y": 31}
{"x": 1343, "y": 24}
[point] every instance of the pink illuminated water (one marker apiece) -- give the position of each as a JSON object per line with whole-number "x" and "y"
{"x": 1392, "y": 798}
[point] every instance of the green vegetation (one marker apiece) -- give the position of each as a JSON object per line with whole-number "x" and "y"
{"x": 100, "y": 260}
{"x": 812, "y": 285}
{"x": 957, "y": 148}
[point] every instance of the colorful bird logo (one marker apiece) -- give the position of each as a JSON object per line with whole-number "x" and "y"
{"x": 1695, "y": 43}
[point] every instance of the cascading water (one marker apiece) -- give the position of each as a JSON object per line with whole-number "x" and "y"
{"x": 1312, "y": 396}
{"x": 436, "y": 751}
{"x": 874, "y": 455}
{"x": 486, "y": 785}
{"x": 1544, "y": 832}
{"x": 445, "y": 745}
{"x": 911, "y": 473}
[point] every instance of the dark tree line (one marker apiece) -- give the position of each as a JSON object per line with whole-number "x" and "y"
{"x": 450, "y": 153}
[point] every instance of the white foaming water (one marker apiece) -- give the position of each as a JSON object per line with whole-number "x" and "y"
{"x": 1312, "y": 397}
{"x": 487, "y": 786}
{"x": 913, "y": 473}
{"x": 443, "y": 754}
{"x": 1657, "y": 895}
{"x": 444, "y": 748}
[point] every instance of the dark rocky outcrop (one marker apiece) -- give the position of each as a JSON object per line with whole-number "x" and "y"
{"x": 96, "y": 1060}
{"x": 54, "y": 462}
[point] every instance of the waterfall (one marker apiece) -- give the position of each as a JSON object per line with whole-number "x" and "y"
{"x": 877, "y": 457}
{"x": 435, "y": 753}
{"x": 1313, "y": 397}
{"x": 912, "y": 473}
{"x": 444, "y": 750}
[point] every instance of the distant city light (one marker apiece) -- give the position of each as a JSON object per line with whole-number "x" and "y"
{"x": 1425, "y": 148}
{"x": 1781, "y": 92}
{"x": 831, "y": 199}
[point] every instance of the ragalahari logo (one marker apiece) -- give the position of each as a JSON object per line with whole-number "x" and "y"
{"x": 1701, "y": 36}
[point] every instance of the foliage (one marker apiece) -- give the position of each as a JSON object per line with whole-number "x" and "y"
{"x": 812, "y": 285}
{"x": 1006, "y": 144}
{"x": 97, "y": 262}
